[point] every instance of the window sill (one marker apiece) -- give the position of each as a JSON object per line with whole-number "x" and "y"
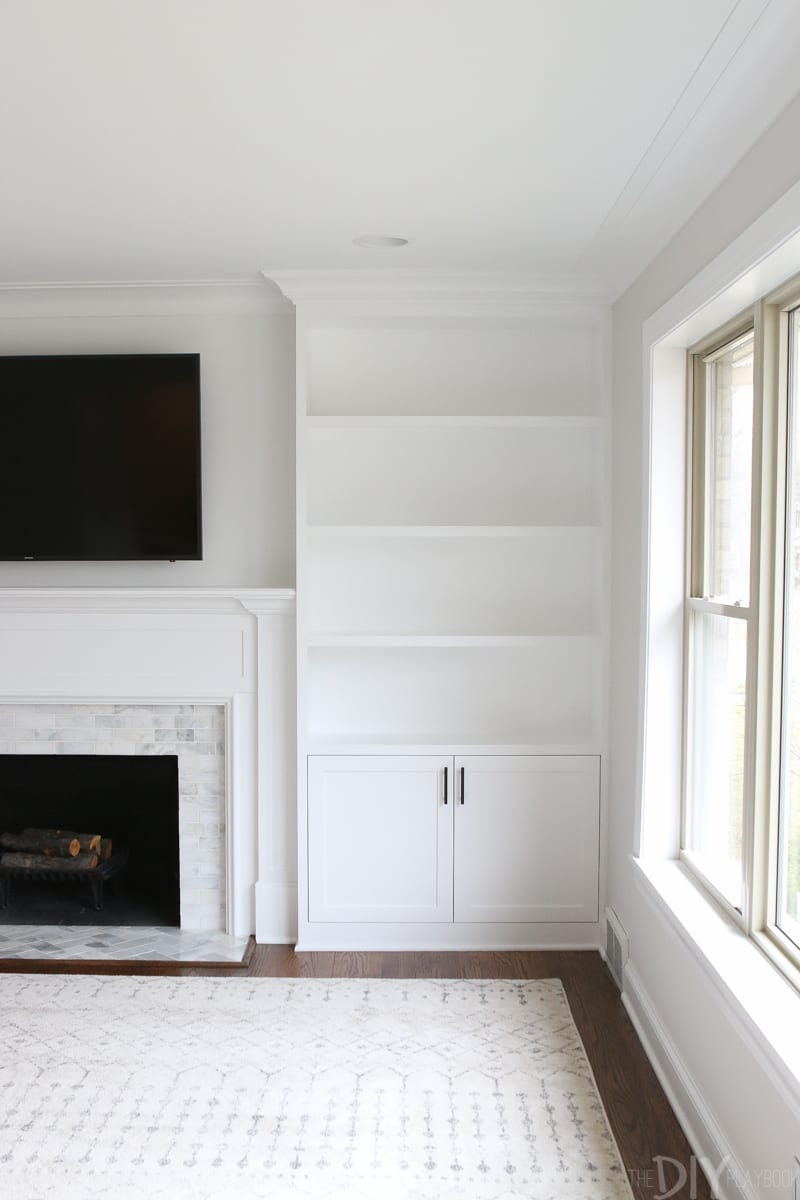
{"x": 762, "y": 1002}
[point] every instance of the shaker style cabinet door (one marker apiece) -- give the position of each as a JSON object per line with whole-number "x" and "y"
{"x": 526, "y": 837}
{"x": 380, "y": 838}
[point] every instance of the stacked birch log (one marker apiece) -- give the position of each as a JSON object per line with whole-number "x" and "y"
{"x": 54, "y": 850}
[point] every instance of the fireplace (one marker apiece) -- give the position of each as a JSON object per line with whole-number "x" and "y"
{"x": 151, "y": 776}
{"x": 131, "y": 800}
{"x": 205, "y": 675}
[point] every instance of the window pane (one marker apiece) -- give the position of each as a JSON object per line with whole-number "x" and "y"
{"x": 788, "y": 915}
{"x": 729, "y": 454}
{"x": 713, "y": 834}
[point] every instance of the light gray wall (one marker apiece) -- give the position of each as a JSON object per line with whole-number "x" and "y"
{"x": 752, "y": 1113}
{"x": 247, "y": 403}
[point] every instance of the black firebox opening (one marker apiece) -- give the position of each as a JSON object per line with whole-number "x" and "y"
{"x": 132, "y": 799}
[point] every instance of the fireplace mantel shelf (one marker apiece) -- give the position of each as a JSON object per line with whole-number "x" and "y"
{"x": 257, "y": 601}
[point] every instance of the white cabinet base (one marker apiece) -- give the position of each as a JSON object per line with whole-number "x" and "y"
{"x": 319, "y": 935}
{"x": 380, "y": 844}
{"x": 418, "y": 852}
{"x": 527, "y": 838}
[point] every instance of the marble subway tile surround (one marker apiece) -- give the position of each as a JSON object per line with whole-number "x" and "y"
{"x": 194, "y": 732}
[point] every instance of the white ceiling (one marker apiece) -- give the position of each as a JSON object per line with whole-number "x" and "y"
{"x": 207, "y": 139}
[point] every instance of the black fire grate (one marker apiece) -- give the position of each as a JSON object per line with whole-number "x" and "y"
{"x": 96, "y": 877}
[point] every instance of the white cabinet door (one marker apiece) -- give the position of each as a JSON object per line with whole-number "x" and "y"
{"x": 527, "y": 838}
{"x": 380, "y": 838}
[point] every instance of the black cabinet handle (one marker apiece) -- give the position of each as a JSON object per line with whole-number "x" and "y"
{"x": 445, "y": 785}
{"x": 462, "y": 785}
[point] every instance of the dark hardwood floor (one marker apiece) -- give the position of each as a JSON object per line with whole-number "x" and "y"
{"x": 641, "y": 1118}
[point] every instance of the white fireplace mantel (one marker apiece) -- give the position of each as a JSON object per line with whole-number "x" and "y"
{"x": 266, "y": 601}
{"x": 232, "y": 647}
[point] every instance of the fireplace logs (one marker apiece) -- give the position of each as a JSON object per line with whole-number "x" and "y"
{"x": 43, "y": 862}
{"x": 39, "y": 841}
{"x": 88, "y": 843}
{"x": 59, "y": 856}
{"x": 56, "y": 849}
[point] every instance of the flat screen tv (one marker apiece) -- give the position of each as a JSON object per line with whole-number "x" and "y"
{"x": 100, "y": 457}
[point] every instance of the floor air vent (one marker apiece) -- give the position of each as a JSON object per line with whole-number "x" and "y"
{"x": 616, "y": 947}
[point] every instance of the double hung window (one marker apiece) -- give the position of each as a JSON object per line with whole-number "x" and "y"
{"x": 741, "y": 809}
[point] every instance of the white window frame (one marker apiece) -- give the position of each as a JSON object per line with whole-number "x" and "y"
{"x": 765, "y": 615}
{"x": 764, "y": 928}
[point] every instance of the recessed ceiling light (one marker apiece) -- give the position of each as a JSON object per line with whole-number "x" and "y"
{"x": 377, "y": 242}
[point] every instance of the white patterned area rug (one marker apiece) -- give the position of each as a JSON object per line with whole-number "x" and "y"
{"x": 211, "y": 1089}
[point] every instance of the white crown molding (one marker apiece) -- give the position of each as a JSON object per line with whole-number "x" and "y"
{"x": 238, "y": 297}
{"x": 718, "y": 107}
{"x": 257, "y": 601}
{"x": 716, "y": 61}
{"x": 446, "y": 289}
{"x": 268, "y": 602}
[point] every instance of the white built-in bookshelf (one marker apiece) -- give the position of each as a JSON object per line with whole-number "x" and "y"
{"x": 451, "y": 544}
{"x": 451, "y": 530}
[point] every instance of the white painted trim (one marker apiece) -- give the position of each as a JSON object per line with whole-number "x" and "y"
{"x": 253, "y": 679}
{"x": 230, "y": 782}
{"x": 276, "y": 887}
{"x": 267, "y": 602}
{"x": 694, "y": 1116}
{"x": 775, "y": 989}
{"x": 148, "y": 298}
{"x": 507, "y": 749}
{"x": 105, "y": 696}
{"x": 455, "y": 289}
{"x": 331, "y": 641}
{"x": 449, "y": 935}
{"x": 605, "y": 533}
{"x": 758, "y": 261}
{"x": 258, "y": 601}
{"x": 443, "y": 421}
{"x": 675, "y": 174}
{"x": 644, "y": 597}
{"x": 718, "y": 58}
{"x": 301, "y": 653}
{"x": 448, "y": 531}
{"x": 276, "y": 912}
{"x": 747, "y": 262}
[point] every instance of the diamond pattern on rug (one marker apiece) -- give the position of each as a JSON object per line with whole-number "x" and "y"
{"x": 204, "y": 1089}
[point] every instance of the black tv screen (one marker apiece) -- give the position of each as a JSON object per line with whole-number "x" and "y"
{"x": 100, "y": 457}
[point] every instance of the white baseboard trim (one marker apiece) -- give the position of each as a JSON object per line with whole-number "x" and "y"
{"x": 601, "y": 950}
{"x": 714, "y": 1153}
{"x": 379, "y": 944}
{"x": 276, "y": 913}
{"x": 447, "y": 935}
